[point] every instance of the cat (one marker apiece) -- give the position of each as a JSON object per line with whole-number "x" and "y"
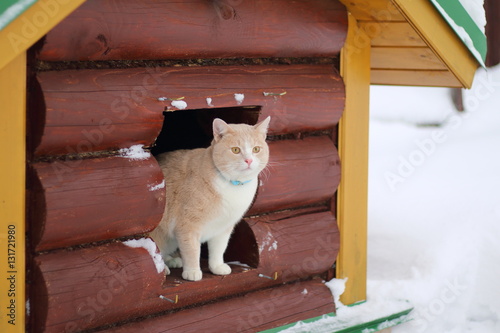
{"x": 208, "y": 190}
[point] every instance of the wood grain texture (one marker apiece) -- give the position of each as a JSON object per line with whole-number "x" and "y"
{"x": 81, "y": 201}
{"x": 421, "y": 58}
{"x": 353, "y": 143}
{"x": 392, "y": 34}
{"x": 110, "y": 29}
{"x": 297, "y": 246}
{"x": 300, "y": 172}
{"x": 95, "y": 286}
{"x": 13, "y": 191}
{"x": 253, "y": 312}
{"x": 427, "y": 78}
{"x": 373, "y": 10}
{"x": 92, "y": 110}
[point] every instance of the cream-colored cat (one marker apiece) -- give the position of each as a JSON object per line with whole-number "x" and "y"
{"x": 207, "y": 193}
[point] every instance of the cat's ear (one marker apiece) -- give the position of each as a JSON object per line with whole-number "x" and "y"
{"x": 263, "y": 126}
{"x": 220, "y": 128}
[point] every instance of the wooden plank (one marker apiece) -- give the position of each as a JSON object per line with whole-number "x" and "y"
{"x": 92, "y": 110}
{"x": 284, "y": 251}
{"x": 81, "y": 201}
{"x": 12, "y": 194}
{"x": 405, "y": 58}
{"x": 440, "y": 37}
{"x": 253, "y": 312}
{"x": 112, "y": 29}
{"x": 414, "y": 78}
{"x": 373, "y": 10}
{"x": 89, "y": 287}
{"x": 352, "y": 195}
{"x": 286, "y": 185}
{"x": 391, "y": 34}
{"x": 32, "y": 25}
{"x": 93, "y": 286}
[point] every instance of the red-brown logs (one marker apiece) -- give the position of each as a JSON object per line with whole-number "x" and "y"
{"x": 297, "y": 246}
{"x": 94, "y": 286}
{"x": 129, "y": 29}
{"x": 300, "y": 172}
{"x": 80, "y": 201}
{"x": 253, "y": 312}
{"x": 93, "y": 110}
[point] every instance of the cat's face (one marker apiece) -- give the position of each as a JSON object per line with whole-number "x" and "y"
{"x": 240, "y": 151}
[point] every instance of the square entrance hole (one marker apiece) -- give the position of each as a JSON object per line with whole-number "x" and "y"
{"x": 191, "y": 129}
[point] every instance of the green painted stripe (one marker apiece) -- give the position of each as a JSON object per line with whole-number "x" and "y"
{"x": 310, "y": 320}
{"x": 379, "y": 324}
{"x": 371, "y": 326}
{"x": 11, "y": 9}
{"x": 459, "y": 15}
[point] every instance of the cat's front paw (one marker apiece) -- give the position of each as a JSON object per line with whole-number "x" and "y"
{"x": 192, "y": 274}
{"x": 223, "y": 269}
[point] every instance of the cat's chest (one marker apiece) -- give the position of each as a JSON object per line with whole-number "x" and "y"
{"x": 237, "y": 198}
{"x": 234, "y": 202}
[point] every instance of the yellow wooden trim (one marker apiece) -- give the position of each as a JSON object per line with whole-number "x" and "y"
{"x": 391, "y": 33}
{"x": 405, "y": 58}
{"x": 373, "y": 10}
{"x": 440, "y": 37}
{"x": 32, "y": 25}
{"x": 12, "y": 194}
{"x": 426, "y": 78}
{"x": 353, "y": 149}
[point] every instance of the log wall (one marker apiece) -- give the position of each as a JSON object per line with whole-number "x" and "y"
{"x": 97, "y": 286}
{"x": 111, "y": 29}
{"x": 253, "y": 312}
{"x": 83, "y": 111}
{"x": 88, "y": 191}
{"x": 82, "y": 201}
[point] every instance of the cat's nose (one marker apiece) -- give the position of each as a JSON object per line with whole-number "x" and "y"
{"x": 248, "y": 161}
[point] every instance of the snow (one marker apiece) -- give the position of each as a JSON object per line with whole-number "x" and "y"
{"x": 268, "y": 243}
{"x": 238, "y": 263}
{"x": 150, "y": 246}
{"x": 461, "y": 32}
{"x": 136, "y": 152}
{"x": 239, "y": 98}
{"x": 157, "y": 186}
{"x": 433, "y": 238}
{"x": 209, "y": 101}
{"x": 475, "y": 8}
{"x": 181, "y": 105}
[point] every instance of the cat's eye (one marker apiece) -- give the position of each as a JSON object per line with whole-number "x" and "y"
{"x": 256, "y": 149}
{"x": 235, "y": 150}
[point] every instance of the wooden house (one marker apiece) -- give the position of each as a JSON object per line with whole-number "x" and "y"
{"x": 92, "y": 89}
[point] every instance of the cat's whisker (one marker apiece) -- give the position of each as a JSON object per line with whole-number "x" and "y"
{"x": 265, "y": 174}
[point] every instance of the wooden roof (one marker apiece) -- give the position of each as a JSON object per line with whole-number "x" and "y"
{"x": 413, "y": 44}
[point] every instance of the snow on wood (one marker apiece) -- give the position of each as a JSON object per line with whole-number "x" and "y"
{"x": 150, "y": 246}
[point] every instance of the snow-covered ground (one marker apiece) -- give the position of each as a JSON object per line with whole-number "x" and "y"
{"x": 434, "y": 210}
{"x": 434, "y": 205}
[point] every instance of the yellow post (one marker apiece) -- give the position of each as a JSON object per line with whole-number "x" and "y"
{"x": 353, "y": 149}
{"x": 12, "y": 195}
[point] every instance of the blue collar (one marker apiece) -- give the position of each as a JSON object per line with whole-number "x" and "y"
{"x": 237, "y": 182}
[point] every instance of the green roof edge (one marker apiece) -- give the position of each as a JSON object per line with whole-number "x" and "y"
{"x": 11, "y": 9}
{"x": 461, "y": 17}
